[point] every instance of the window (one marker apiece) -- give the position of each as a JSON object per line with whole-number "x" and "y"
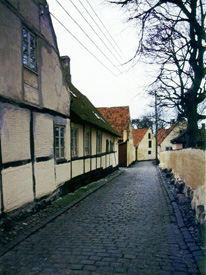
{"x": 87, "y": 143}
{"x": 149, "y": 152}
{"x": 149, "y": 135}
{"x": 29, "y": 51}
{"x": 111, "y": 146}
{"x": 99, "y": 142}
{"x": 168, "y": 148}
{"x": 74, "y": 142}
{"x": 150, "y": 144}
{"x": 59, "y": 142}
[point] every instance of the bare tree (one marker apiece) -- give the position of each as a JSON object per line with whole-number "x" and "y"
{"x": 172, "y": 35}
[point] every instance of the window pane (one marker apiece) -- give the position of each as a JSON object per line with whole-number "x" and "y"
{"x": 62, "y": 152}
{"x": 62, "y": 131}
{"x": 25, "y": 35}
{"x": 57, "y": 152}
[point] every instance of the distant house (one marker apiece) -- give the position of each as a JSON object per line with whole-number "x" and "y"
{"x": 181, "y": 140}
{"x": 164, "y": 136}
{"x": 144, "y": 142}
{"x": 119, "y": 119}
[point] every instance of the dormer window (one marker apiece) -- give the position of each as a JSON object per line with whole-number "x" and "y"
{"x": 29, "y": 49}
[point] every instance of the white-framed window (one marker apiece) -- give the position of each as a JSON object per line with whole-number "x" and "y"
{"x": 99, "y": 142}
{"x": 87, "y": 143}
{"x": 59, "y": 142}
{"x": 74, "y": 142}
{"x": 29, "y": 49}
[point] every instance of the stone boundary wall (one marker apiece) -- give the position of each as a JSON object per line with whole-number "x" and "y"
{"x": 189, "y": 165}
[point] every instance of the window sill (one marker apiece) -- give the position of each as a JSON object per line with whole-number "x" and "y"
{"x": 30, "y": 70}
{"x": 60, "y": 161}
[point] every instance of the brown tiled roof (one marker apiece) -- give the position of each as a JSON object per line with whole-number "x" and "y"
{"x": 163, "y": 133}
{"x": 118, "y": 117}
{"x": 84, "y": 111}
{"x": 138, "y": 135}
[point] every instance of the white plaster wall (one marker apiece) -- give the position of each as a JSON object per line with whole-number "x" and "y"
{"x": 17, "y": 186}
{"x": 44, "y": 176}
{"x": 77, "y": 168}
{"x": 10, "y": 54}
{"x": 63, "y": 173}
{"x": 44, "y": 136}
{"x": 15, "y": 133}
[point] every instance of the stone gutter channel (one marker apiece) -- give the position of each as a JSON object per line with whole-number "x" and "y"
{"x": 194, "y": 243}
{"x": 54, "y": 213}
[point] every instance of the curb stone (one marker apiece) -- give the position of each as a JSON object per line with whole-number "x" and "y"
{"x": 102, "y": 182}
{"x": 194, "y": 249}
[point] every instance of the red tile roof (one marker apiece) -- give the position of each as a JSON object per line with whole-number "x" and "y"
{"x": 163, "y": 133}
{"x": 138, "y": 135}
{"x": 118, "y": 117}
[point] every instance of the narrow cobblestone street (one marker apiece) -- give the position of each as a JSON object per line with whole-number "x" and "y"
{"x": 126, "y": 227}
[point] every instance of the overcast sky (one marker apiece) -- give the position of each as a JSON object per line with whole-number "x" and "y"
{"x": 110, "y": 83}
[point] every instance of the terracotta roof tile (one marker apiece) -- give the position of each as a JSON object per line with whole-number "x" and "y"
{"x": 138, "y": 135}
{"x": 118, "y": 117}
{"x": 163, "y": 133}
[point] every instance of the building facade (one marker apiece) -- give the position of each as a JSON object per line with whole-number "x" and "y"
{"x": 119, "y": 119}
{"x": 40, "y": 150}
{"x": 145, "y": 144}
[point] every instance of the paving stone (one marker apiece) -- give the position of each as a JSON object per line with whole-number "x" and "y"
{"x": 126, "y": 227}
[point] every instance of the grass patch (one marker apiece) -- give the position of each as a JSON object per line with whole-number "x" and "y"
{"x": 64, "y": 201}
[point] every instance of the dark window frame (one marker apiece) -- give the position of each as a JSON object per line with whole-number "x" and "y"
{"x": 29, "y": 49}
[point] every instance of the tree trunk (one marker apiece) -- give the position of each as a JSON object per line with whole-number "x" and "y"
{"x": 192, "y": 126}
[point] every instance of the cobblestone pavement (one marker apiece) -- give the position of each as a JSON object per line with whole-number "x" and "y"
{"x": 126, "y": 227}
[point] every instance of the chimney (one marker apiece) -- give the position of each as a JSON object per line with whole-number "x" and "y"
{"x": 66, "y": 65}
{"x": 203, "y": 126}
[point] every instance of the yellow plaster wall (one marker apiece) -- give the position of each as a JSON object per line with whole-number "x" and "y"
{"x": 143, "y": 147}
{"x": 43, "y": 133}
{"x": 188, "y": 165}
{"x": 63, "y": 173}
{"x": 10, "y": 54}
{"x": 77, "y": 168}
{"x": 17, "y": 186}
{"x": 44, "y": 176}
{"x": 175, "y": 133}
{"x": 15, "y": 133}
{"x": 54, "y": 92}
{"x": 87, "y": 165}
{"x": 99, "y": 162}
